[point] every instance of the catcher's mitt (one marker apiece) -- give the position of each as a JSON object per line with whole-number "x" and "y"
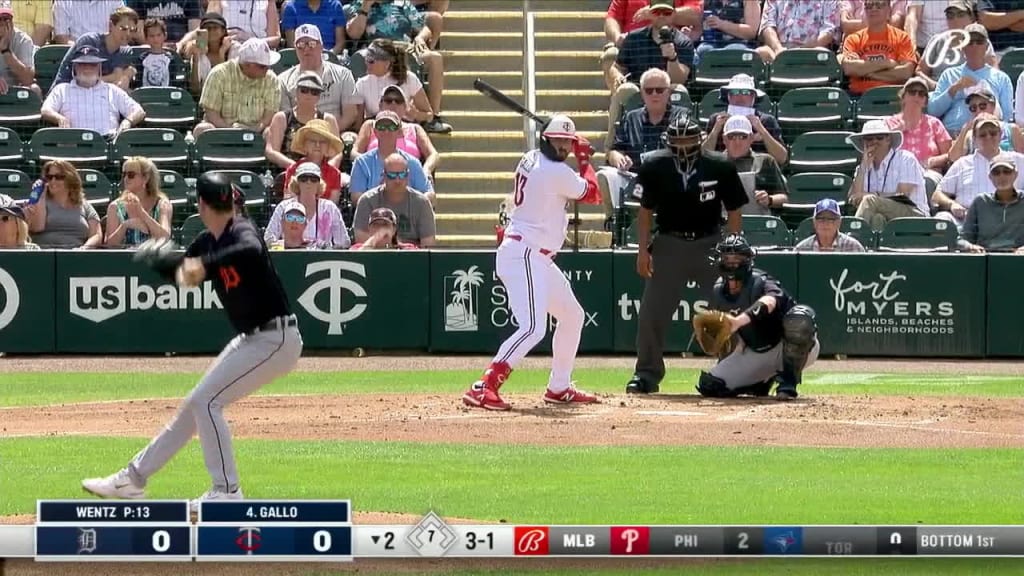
{"x": 161, "y": 255}
{"x": 713, "y": 333}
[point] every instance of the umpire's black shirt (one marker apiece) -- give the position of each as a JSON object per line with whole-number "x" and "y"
{"x": 688, "y": 203}
{"x": 239, "y": 266}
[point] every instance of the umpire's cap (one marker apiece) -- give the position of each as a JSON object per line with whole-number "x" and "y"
{"x": 216, "y": 189}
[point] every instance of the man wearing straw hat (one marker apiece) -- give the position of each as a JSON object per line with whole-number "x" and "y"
{"x": 889, "y": 182}
{"x": 241, "y": 93}
{"x": 317, "y": 143}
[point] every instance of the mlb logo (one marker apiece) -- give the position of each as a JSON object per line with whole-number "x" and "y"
{"x": 532, "y": 541}
{"x": 630, "y": 540}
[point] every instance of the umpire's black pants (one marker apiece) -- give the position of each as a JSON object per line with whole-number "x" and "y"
{"x": 677, "y": 261}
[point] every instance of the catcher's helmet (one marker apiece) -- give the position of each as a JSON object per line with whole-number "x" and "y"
{"x": 684, "y": 137}
{"x": 734, "y": 257}
{"x": 216, "y": 190}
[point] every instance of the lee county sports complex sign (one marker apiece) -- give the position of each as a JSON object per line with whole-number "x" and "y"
{"x": 446, "y": 301}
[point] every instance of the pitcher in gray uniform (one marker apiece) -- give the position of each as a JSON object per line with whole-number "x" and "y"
{"x": 775, "y": 338}
{"x": 232, "y": 255}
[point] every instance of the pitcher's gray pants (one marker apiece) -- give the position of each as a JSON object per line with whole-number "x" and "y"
{"x": 676, "y": 263}
{"x": 246, "y": 364}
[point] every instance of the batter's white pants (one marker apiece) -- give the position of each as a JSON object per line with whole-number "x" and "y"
{"x": 536, "y": 287}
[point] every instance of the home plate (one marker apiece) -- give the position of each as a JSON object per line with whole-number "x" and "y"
{"x": 669, "y": 413}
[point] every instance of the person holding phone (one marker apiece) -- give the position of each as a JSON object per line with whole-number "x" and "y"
{"x": 206, "y": 47}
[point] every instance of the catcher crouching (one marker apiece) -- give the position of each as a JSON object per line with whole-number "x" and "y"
{"x": 758, "y": 332}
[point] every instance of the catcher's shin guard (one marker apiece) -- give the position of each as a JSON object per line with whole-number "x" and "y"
{"x": 713, "y": 387}
{"x": 798, "y": 332}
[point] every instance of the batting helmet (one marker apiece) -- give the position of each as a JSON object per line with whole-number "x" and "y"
{"x": 216, "y": 190}
{"x": 559, "y": 126}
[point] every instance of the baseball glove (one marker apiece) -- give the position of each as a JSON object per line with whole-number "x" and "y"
{"x": 713, "y": 333}
{"x": 161, "y": 255}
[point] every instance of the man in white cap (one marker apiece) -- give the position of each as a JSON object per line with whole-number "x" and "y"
{"x": 242, "y": 93}
{"x": 995, "y": 220}
{"x": 742, "y": 94}
{"x": 536, "y": 287}
{"x": 760, "y": 174}
{"x": 338, "y": 94}
{"x": 889, "y": 182}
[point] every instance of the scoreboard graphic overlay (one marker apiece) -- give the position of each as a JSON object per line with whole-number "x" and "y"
{"x": 322, "y": 531}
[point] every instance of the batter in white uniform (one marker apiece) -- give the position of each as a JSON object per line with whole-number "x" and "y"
{"x": 536, "y": 287}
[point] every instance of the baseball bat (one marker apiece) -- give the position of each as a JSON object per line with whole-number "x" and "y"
{"x": 503, "y": 99}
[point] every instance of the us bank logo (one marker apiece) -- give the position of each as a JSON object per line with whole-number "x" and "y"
{"x": 334, "y": 284}
{"x": 462, "y": 304}
{"x": 11, "y": 298}
{"x": 100, "y": 298}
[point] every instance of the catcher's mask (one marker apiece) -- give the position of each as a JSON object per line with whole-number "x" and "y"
{"x": 684, "y": 137}
{"x": 557, "y": 137}
{"x": 734, "y": 258}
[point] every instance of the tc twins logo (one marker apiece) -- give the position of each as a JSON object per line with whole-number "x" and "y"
{"x": 335, "y": 316}
{"x": 532, "y": 541}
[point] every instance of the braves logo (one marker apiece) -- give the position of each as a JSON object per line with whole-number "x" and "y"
{"x": 531, "y": 541}
{"x": 945, "y": 48}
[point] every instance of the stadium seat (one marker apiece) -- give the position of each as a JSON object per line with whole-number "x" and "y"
{"x": 806, "y": 189}
{"x": 97, "y": 189}
{"x": 856, "y": 227}
{"x": 229, "y": 149}
{"x": 1013, "y": 64}
{"x": 808, "y": 109}
{"x": 917, "y": 235}
{"x": 717, "y": 67}
{"x": 766, "y": 232}
{"x": 19, "y": 110}
{"x": 628, "y": 229}
{"x": 173, "y": 185}
{"x": 47, "y": 63}
{"x": 165, "y": 147}
{"x": 680, "y": 97}
{"x": 167, "y": 107}
{"x": 12, "y": 149}
{"x": 877, "y": 103}
{"x": 820, "y": 151}
{"x": 711, "y": 104}
{"x": 288, "y": 59}
{"x": 83, "y": 148}
{"x": 357, "y": 64}
{"x": 191, "y": 228}
{"x": 15, "y": 183}
{"x": 801, "y": 68}
{"x": 253, "y": 188}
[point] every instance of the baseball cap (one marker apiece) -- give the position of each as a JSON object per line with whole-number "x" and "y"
{"x": 384, "y": 214}
{"x": 296, "y": 207}
{"x": 308, "y": 31}
{"x": 1002, "y": 160}
{"x": 827, "y": 205}
{"x": 257, "y": 51}
{"x": 88, "y": 55}
{"x": 396, "y": 90}
{"x": 975, "y": 28}
{"x": 914, "y": 81}
{"x": 387, "y": 115}
{"x": 738, "y": 125}
{"x": 988, "y": 119}
{"x": 980, "y": 89}
{"x": 310, "y": 79}
{"x": 661, "y": 4}
{"x": 213, "y": 18}
{"x": 6, "y": 8}
{"x": 216, "y": 189}
{"x": 961, "y": 5}
{"x": 9, "y": 206}
{"x": 376, "y": 53}
{"x": 307, "y": 168}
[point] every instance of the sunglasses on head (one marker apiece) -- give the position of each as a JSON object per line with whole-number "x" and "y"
{"x": 385, "y": 126}
{"x": 56, "y": 176}
{"x": 1001, "y": 171}
{"x": 978, "y": 106}
{"x": 309, "y": 178}
{"x": 655, "y": 90}
{"x": 313, "y": 91}
{"x": 396, "y": 175}
{"x": 295, "y": 218}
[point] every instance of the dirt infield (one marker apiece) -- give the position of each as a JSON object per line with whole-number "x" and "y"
{"x": 666, "y": 419}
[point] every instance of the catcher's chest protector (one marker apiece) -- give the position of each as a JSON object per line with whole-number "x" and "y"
{"x": 752, "y": 289}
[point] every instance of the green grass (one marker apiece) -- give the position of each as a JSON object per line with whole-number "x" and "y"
{"x": 570, "y": 485}
{"x": 34, "y": 389}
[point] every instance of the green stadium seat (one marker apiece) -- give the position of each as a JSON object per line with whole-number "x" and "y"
{"x": 807, "y": 188}
{"x": 15, "y": 183}
{"x": 357, "y": 64}
{"x": 877, "y": 103}
{"x": 12, "y": 149}
{"x": 253, "y": 188}
{"x": 169, "y": 107}
{"x": 288, "y": 59}
{"x": 918, "y": 235}
{"x": 97, "y": 189}
{"x": 766, "y": 232}
{"x": 83, "y": 148}
{"x": 229, "y": 149}
{"x": 818, "y": 108}
{"x": 711, "y": 104}
{"x": 47, "y": 63}
{"x": 680, "y": 97}
{"x": 191, "y": 228}
{"x": 165, "y": 147}
{"x": 174, "y": 186}
{"x": 820, "y": 151}
{"x": 856, "y": 227}
{"x": 801, "y": 68}
{"x": 19, "y": 110}
{"x": 1013, "y": 64}
{"x": 717, "y": 67}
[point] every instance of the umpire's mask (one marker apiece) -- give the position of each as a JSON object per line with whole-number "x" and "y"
{"x": 684, "y": 137}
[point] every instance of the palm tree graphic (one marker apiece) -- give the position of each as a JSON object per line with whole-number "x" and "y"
{"x": 463, "y": 295}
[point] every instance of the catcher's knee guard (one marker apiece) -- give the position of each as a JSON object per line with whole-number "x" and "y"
{"x": 713, "y": 387}
{"x": 798, "y": 333}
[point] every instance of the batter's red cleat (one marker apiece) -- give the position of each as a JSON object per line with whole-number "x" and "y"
{"x": 570, "y": 396}
{"x": 484, "y": 392}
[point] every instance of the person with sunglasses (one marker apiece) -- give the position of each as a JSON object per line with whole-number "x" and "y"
{"x": 980, "y": 100}
{"x": 13, "y": 226}
{"x": 995, "y": 220}
{"x": 284, "y": 126}
{"x": 949, "y": 103}
{"x": 112, "y": 47}
{"x": 207, "y": 47}
{"x": 337, "y": 90}
{"x": 938, "y": 30}
{"x": 416, "y": 223}
{"x": 293, "y": 230}
{"x": 923, "y": 135}
{"x": 624, "y": 16}
{"x": 879, "y": 54}
{"x": 242, "y": 93}
{"x": 367, "y": 170}
{"x": 1005, "y": 19}
{"x": 386, "y": 64}
{"x": 967, "y": 178}
{"x": 760, "y": 174}
{"x": 317, "y": 143}
{"x": 383, "y": 233}
{"x": 143, "y": 210}
{"x": 414, "y": 139}
{"x": 324, "y": 225}
{"x": 742, "y": 95}
{"x": 852, "y": 15}
{"x": 62, "y": 218}
{"x": 889, "y": 182}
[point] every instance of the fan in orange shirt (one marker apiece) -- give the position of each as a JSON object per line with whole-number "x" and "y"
{"x": 878, "y": 55}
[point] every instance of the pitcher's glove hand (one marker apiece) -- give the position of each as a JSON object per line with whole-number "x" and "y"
{"x": 713, "y": 330}
{"x": 161, "y": 255}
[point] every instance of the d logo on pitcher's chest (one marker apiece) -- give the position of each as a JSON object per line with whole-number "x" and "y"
{"x": 707, "y": 190}
{"x": 230, "y": 277}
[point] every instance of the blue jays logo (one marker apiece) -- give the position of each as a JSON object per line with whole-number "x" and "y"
{"x": 784, "y": 541}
